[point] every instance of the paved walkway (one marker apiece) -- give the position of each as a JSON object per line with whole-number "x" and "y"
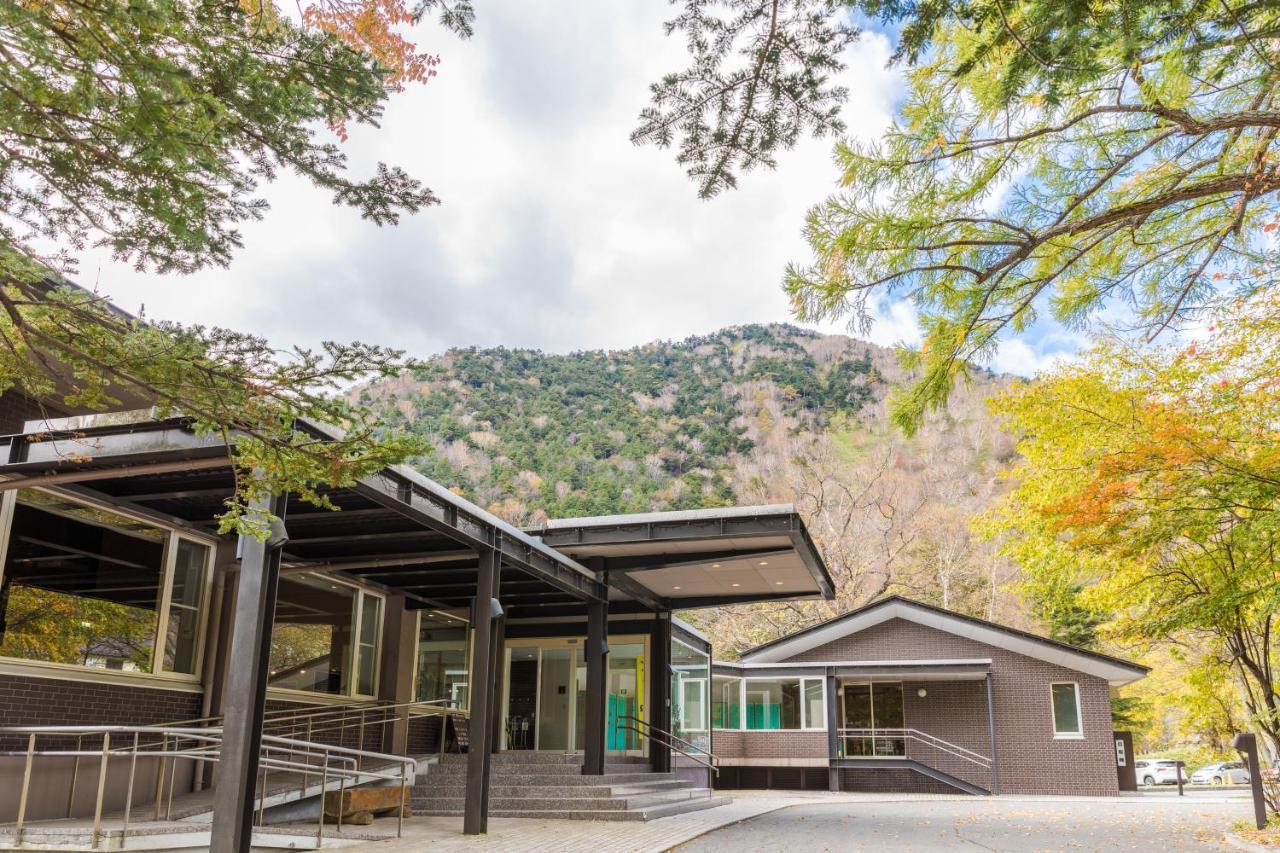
{"x": 818, "y": 820}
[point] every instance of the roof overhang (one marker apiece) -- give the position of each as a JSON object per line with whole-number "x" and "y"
{"x": 696, "y": 558}
{"x": 876, "y": 670}
{"x": 1115, "y": 671}
{"x": 395, "y": 529}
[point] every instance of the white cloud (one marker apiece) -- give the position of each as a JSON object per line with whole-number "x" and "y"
{"x": 555, "y": 231}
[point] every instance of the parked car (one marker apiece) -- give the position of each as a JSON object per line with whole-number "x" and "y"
{"x": 1221, "y": 773}
{"x": 1158, "y": 771}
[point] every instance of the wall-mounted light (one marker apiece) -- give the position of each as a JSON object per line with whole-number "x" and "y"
{"x": 922, "y": 693}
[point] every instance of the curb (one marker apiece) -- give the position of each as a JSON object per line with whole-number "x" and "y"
{"x": 1238, "y": 843}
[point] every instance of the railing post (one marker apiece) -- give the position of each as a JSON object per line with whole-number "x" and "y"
{"x": 128, "y": 794}
{"x": 102, "y": 787}
{"x": 75, "y": 773}
{"x": 26, "y": 784}
{"x": 160, "y": 765}
{"x": 404, "y": 780}
{"x": 324, "y": 783}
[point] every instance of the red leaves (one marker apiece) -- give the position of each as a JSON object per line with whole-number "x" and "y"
{"x": 370, "y": 27}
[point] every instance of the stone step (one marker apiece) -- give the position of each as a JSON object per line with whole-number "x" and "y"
{"x": 603, "y": 803}
{"x": 519, "y": 777}
{"x": 523, "y": 756}
{"x": 585, "y": 790}
{"x": 543, "y": 768}
{"x": 646, "y": 813}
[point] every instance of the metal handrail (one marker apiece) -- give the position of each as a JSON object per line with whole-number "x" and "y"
{"x": 306, "y": 758}
{"x": 691, "y": 751}
{"x": 934, "y": 741}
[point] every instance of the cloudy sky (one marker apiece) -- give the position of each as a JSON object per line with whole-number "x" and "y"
{"x": 555, "y": 232}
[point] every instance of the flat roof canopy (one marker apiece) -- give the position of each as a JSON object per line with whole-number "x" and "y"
{"x": 697, "y": 558}
{"x": 397, "y": 529}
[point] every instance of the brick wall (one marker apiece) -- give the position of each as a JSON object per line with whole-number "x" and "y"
{"x": 1030, "y": 759}
{"x": 762, "y": 745}
{"x": 32, "y": 701}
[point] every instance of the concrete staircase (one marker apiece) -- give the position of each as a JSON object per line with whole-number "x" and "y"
{"x": 551, "y": 785}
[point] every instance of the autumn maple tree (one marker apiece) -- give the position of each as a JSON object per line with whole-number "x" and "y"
{"x": 1148, "y": 479}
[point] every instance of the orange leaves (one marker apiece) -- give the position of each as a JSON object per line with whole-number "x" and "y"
{"x": 372, "y": 27}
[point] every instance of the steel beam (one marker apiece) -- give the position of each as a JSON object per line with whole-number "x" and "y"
{"x": 246, "y": 690}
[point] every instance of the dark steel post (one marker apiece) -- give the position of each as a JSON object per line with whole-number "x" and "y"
{"x": 833, "y": 734}
{"x": 659, "y": 712}
{"x": 1178, "y": 772}
{"x": 499, "y": 675}
{"x": 597, "y": 653}
{"x": 1247, "y": 745}
{"x": 246, "y": 682}
{"x": 475, "y": 820}
{"x": 991, "y": 731}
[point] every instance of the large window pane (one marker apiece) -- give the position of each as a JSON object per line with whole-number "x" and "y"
{"x": 726, "y": 703}
{"x": 81, "y": 585}
{"x": 1066, "y": 709}
{"x": 690, "y": 716}
{"x": 442, "y": 660}
{"x": 773, "y": 704}
{"x": 815, "y": 709}
{"x": 367, "y": 649}
{"x": 311, "y": 644}
{"x": 182, "y": 632}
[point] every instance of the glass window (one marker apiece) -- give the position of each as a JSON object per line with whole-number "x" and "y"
{"x": 370, "y": 640}
{"x": 443, "y": 649}
{"x": 81, "y": 585}
{"x": 689, "y": 712}
{"x": 182, "y": 631}
{"x": 311, "y": 645}
{"x": 1066, "y": 709}
{"x": 815, "y": 706}
{"x": 693, "y": 705}
{"x": 773, "y": 704}
{"x": 726, "y": 702}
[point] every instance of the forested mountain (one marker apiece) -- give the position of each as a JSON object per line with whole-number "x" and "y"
{"x": 751, "y": 414}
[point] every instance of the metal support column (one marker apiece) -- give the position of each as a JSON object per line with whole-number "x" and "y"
{"x": 499, "y": 675}
{"x": 597, "y": 653}
{"x": 991, "y": 726}
{"x": 833, "y": 733}
{"x": 475, "y": 820}
{"x": 246, "y": 682}
{"x": 659, "y": 710}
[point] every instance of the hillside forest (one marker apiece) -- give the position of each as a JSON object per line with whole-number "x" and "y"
{"x": 773, "y": 414}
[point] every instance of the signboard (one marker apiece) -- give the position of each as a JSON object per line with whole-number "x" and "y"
{"x": 1121, "y": 758}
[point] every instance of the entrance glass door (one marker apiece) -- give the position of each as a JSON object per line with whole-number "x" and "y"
{"x": 871, "y": 708}
{"x": 546, "y": 695}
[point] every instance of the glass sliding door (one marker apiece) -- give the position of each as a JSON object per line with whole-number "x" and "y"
{"x": 873, "y": 711}
{"x": 546, "y": 695}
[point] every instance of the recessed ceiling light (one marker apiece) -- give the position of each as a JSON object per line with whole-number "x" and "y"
{"x": 715, "y": 565}
{"x": 675, "y": 587}
{"x": 737, "y": 584}
{"x": 764, "y": 562}
{"x": 777, "y": 583}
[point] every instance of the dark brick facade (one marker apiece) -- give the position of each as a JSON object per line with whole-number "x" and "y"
{"x": 1030, "y": 759}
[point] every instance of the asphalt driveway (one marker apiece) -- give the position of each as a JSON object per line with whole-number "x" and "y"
{"x": 1014, "y": 825}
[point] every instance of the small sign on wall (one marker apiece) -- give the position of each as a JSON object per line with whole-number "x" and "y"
{"x": 1121, "y": 757}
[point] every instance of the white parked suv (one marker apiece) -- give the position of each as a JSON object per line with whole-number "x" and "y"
{"x": 1158, "y": 771}
{"x": 1222, "y": 773}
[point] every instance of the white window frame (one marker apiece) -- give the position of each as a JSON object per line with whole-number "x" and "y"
{"x": 1053, "y": 716}
{"x": 805, "y": 725}
{"x": 742, "y": 712}
{"x": 701, "y": 685}
{"x": 77, "y": 672}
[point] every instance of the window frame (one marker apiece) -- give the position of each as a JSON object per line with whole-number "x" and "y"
{"x": 701, "y": 685}
{"x": 156, "y": 671}
{"x": 357, "y": 605}
{"x": 1053, "y": 712}
{"x": 805, "y": 725}
{"x": 468, "y": 633}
